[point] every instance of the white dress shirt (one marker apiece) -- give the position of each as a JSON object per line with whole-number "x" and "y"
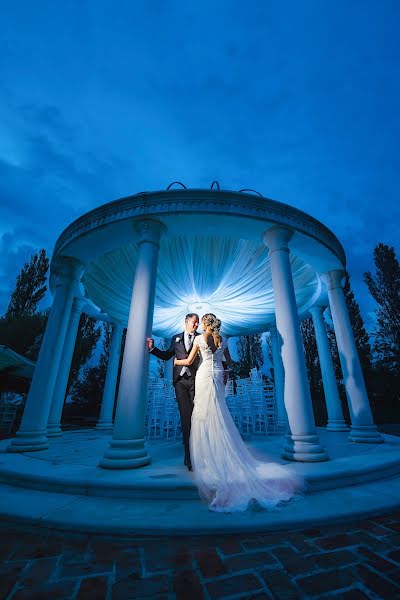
{"x": 187, "y": 346}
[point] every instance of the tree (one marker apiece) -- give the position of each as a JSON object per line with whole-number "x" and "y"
{"x": 87, "y": 337}
{"x": 30, "y": 286}
{"x": 249, "y": 351}
{"x": 313, "y": 370}
{"x": 23, "y": 334}
{"x": 22, "y": 327}
{"x": 161, "y": 363}
{"x": 87, "y": 388}
{"x": 311, "y": 354}
{"x": 384, "y": 287}
{"x": 360, "y": 333}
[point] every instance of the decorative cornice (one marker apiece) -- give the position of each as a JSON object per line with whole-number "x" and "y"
{"x": 200, "y": 201}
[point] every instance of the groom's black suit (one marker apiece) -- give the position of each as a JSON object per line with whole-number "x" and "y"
{"x": 183, "y": 384}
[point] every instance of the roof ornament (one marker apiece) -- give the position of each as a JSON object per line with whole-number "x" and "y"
{"x": 252, "y": 191}
{"x": 179, "y": 183}
{"x": 216, "y": 184}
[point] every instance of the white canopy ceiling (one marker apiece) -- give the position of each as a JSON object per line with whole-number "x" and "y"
{"x": 229, "y": 277}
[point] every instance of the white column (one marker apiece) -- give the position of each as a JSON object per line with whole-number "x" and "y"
{"x": 57, "y": 404}
{"x": 363, "y": 428}
{"x": 302, "y": 441}
{"x": 107, "y": 405}
{"x": 127, "y": 447}
{"x": 279, "y": 376}
{"x": 32, "y": 433}
{"x": 336, "y": 420}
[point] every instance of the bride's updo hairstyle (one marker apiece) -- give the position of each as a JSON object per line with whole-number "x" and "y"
{"x": 214, "y": 324}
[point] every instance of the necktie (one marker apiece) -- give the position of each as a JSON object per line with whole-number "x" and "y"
{"x": 189, "y": 340}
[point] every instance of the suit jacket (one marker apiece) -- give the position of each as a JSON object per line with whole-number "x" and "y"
{"x": 177, "y": 350}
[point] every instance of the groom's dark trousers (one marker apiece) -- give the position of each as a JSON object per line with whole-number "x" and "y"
{"x": 183, "y": 384}
{"x": 184, "y": 392}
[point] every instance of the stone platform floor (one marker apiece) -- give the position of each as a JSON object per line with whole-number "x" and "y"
{"x": 355, "y": 561}
{"x": 63, "y": 488}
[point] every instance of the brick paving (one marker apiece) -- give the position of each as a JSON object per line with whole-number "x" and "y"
{"x": 353, "y": 561}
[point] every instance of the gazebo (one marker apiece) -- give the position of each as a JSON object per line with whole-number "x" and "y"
{"x": 144, "y": 261}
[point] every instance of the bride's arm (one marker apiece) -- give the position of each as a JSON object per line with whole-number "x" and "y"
{"x": 185, "y": 362}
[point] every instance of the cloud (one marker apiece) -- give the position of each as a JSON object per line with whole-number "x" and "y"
{"x": 102, "y": 101}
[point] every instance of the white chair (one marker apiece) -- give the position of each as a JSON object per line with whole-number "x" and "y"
{"x": 155, "y": 410}
{"x": 259, "y": 408}
{"x": 271, "y": 410}
{"x": 8, "y": 413}
{"x": 229, "y": 388}
{"x": 233, "y": 406}
{"x": 171, "y": 420}
{"x": 255, "y": 374}
{"x": 246, "y": 406}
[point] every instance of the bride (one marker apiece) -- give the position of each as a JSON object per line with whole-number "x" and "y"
{"x": 229, "y": 478}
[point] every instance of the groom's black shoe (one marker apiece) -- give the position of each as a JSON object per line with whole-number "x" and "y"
{"x": 188, "y": 464}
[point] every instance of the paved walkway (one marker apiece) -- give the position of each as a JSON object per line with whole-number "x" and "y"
{"x": 356, "y": 561}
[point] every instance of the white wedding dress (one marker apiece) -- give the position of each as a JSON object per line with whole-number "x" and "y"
{"x": 228, "y": 477}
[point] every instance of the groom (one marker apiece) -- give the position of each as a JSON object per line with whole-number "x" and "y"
{"x": 183, "y": 377}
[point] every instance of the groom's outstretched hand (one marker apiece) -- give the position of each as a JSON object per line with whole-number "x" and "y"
{"x": 150, "y": 344}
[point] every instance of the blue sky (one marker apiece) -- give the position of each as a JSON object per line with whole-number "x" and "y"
{"x": 298, "y": 100}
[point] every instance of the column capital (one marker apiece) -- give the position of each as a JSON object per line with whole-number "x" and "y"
{"x": 67, "y": 269}
{"x": 277, "y": 238}
{"x": 317, "y": 310}
{"x": 149, "y": 230}
{"x": 333, "y": 279}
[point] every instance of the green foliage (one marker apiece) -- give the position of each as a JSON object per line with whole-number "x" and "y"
{"x": 87, "y": 337}
{"x": 161, "y": 363}
{"x": 311, "y": 354}
{"x": 360, "y": 333}
{"x": 23, "y": 333}
{"x": 384, "y": 287}
{"x": 22, "y": 327}
{"x": 87, "y": 389}
{"x": 30, "y": 286}
{"x": 313, "y": 370}
{"x": 250, "y": 355}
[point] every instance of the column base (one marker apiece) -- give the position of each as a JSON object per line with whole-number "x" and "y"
{"x": 54, "y": 430}
{"x": 337, "y": 425}
{"x": 304, "y": 448}
{"x": 125, "y": 454}
{"x": 105, "y": 424}
{"x": 365, "y": 434}
{"x": 29, "y": 441}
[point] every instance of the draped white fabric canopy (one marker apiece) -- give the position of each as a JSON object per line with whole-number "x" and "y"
{"x": 229, "y": 277}
{"x": 212, "y": 257}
